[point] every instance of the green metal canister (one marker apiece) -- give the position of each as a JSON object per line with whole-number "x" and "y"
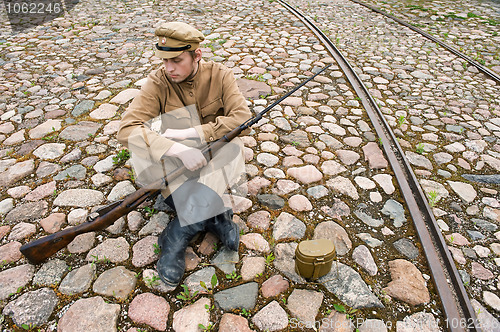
{"x": 313, "y": 258}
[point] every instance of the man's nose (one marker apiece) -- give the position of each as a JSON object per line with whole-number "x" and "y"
{"x": 168, "y": 66}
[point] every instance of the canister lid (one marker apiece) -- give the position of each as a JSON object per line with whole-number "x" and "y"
{"x": 318, "y": 247}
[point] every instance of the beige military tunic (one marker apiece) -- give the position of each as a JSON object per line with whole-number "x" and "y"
{"x": 210, "y": 102}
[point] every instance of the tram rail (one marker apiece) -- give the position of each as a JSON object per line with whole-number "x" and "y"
{"x": 458, "y": 311}
{"x": 485, "y": 70}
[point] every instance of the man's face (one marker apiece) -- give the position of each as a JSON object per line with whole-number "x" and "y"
{"x": 181, "y": 67}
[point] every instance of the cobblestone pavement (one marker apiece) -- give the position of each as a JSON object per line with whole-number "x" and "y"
{"x": 314, "y": 170}
{"x": 471, "y": 27}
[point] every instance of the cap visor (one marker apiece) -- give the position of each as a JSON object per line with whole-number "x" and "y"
{"x": 167, "y": 55}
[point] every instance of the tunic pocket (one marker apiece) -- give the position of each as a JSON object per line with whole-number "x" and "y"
{"x": 212, "y": 110}
{"x": 179, "y": 117}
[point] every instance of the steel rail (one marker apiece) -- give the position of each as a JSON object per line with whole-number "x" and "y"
{"x": 454, "y": 298}
{"x": 483, "y": 69}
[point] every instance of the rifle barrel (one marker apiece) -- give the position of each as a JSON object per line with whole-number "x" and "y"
{"x": 256, "y": 118}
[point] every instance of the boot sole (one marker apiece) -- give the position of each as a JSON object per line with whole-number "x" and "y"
{"x": 167, "y": 282}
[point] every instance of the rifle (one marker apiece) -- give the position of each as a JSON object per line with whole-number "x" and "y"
{"x": 39, "y": 250}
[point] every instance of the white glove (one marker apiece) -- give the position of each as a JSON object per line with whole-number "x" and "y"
{"x": 180, "y": 134}
{"x": 192, "y": 158}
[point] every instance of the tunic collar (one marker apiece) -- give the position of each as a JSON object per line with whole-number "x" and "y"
{"x": 196, "y": 76}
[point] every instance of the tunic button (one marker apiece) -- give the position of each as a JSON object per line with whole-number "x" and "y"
{"x": 211, "y": 138}
{"x": 191, "y": 94}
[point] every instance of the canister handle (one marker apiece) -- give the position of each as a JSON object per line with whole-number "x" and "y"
{"x": 317, "y": 262}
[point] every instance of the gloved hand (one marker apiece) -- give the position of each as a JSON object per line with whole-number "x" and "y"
{"x": 180, "y": 134}
{"x": 192, "y": 158}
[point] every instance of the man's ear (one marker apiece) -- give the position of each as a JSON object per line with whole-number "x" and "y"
{"x": 197, "y": 53}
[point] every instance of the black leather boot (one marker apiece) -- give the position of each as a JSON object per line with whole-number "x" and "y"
{"x": 173, "y": 242}
{"x": 223, "y": 226}
{"x": 195, "y": 204}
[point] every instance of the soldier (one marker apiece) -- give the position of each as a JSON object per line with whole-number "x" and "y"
{"x": 184, "y": 104}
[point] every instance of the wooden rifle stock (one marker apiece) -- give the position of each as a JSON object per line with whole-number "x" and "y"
{"x": 38, "y": 250}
